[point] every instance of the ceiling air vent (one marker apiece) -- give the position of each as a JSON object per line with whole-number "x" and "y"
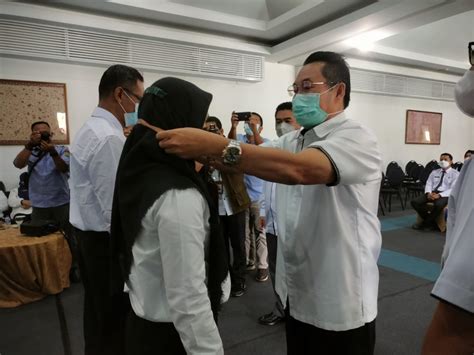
{"x": 399, "y": 85}
{"x": 56, "y": 42}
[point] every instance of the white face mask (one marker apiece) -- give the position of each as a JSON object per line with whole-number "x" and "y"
{"x": 464, "y": 93}
{"x": 444, "y": 164}
{"x": 283, "y": 128}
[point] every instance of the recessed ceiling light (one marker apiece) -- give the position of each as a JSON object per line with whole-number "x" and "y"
{"x": 366, "y": 41}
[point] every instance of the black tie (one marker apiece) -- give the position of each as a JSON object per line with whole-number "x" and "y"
{"x": 440, "y": 182}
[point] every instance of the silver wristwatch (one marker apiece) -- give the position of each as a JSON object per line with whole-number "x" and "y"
{"x": 232, "y": 153}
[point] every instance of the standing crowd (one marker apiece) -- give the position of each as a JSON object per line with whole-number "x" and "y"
{"x": 165, "y": 215}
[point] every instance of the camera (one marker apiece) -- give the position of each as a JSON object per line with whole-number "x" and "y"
{"x": 45, "y": 136}
{"x": 212, "y": 128}
{"x": 243, "y": 116}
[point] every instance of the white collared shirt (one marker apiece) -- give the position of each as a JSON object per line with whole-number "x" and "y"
{"x": 455, "y": 284}
{"x": 225, "y": 206}
{"x": 447, "y": 184}
{"x": 167, "y": 281}
{"x": 95, "y": 155}
{"x": 329, "y": 236}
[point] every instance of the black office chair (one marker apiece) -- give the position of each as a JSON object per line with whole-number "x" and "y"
{"x": 393, "y": 186}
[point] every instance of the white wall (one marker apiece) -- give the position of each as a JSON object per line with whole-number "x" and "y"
{"x": 82, "y": 83}
{"x": 384, "y": 114}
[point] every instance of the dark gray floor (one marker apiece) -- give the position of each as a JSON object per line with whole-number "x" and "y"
{"x": 405, "y": 309}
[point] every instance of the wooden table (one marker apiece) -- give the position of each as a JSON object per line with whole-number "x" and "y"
{"x": 32, "y": 267}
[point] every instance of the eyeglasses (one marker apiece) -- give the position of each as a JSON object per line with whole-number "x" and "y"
{"x": 305, "y": 86}
{"x": 129, "y": 92}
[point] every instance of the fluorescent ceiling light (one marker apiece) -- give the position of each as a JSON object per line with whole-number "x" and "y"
{"x": 366, "y": 41}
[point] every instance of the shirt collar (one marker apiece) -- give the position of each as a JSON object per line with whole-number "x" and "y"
{"x": 108, "y": 116}
{"x": 324, "y": 128}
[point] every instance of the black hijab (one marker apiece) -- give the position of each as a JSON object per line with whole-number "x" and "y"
{"x": 146, "y": 172}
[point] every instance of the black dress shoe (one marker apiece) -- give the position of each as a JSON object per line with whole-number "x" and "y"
{"x": 270, "y": 319}
{"x": 238, "y": 290}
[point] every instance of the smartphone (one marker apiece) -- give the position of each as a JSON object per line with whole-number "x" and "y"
{"x": 471, "y": 52}
{"x": 243, "y": 116}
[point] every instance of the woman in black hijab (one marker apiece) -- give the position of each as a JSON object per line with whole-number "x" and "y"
{"x": 165, "y": 232}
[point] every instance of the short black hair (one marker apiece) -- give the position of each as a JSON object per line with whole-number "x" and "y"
{"x": 39, "y": 122}
{"x": 261, "y": 119}
{"x": 335, "y": 70}
{"x": 214, "y": 120}
{"x": 284, "y": 106}
{"x": 118, "y": 75}
{"x": 448, "y": 155}
{"x": 468, "y": 151}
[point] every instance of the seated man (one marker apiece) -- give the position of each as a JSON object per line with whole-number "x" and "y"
{"x": 437, "y": 190}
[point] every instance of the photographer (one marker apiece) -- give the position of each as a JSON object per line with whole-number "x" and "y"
{"x": 48, "y": 167}
{"x": 233, "y": 202}
{"x": 48, "y": 174}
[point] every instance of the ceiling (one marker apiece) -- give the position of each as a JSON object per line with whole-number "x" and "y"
{"x": 428, "y": 34}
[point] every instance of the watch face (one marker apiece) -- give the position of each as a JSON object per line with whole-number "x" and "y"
{"x": 233, "y": 150}
{"x": 232, "y": 155}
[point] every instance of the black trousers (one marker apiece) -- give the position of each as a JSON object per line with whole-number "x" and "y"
{"x": 306, "y": 339}
{"x": 272, "y": 246}
{"x": 419, "y": 205}
{"x": 104, "y": 313}
{"x": 60, "y": 214}
{"x": 144, "y": 337}
{"x": 233, "y": 228}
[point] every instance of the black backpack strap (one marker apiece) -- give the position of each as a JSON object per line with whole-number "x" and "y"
{"x": 30, "y": 169}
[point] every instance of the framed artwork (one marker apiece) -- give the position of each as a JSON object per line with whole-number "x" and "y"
{"x": 423, "y": 127}
{"x": 25, "y": 102}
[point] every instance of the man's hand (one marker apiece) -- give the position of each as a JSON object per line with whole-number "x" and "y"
{"x": 191, "y": 143}
{"x": 48, "y": 147}
{"x": 234, "y": 120}
{"x": 435, "y": 196}
{"x": 25, "y": 204}
{"x": 35, "y": 139}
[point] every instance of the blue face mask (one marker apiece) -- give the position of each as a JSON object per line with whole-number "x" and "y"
{"x": 248, "y": 130}
{"x": 307, "y": 110}
{"x": 131, "y": 118}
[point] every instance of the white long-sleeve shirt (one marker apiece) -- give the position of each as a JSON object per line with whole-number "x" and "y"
{"x": 167, "y": 281}
{"x": 448, "y": 181}
{"x": 95, "y": 155}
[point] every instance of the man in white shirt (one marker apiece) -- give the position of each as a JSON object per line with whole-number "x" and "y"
{"x": 285, "y": 123}
{"x": 437, "y": 190}
{"x": 95, "y": 155}
{"x": 329, "y": 233}
{"x": 452, "y": 328}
